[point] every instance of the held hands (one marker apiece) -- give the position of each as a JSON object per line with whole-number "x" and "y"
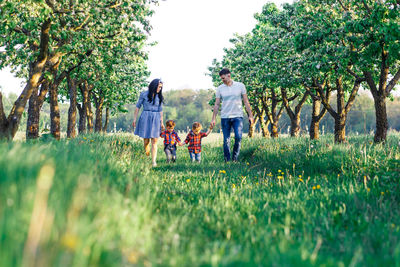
{"x": 212, "y": 124}
{"x": 181, "y": 144}
{"x": 162, "y": 127}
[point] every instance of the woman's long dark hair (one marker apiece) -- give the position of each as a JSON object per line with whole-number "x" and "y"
{"x": 151, "y": 97}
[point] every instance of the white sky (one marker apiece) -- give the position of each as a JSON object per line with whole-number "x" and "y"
{"x": 190, "y": 34}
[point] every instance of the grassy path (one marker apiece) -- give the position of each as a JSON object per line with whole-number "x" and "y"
{"x": 95, "y": 201}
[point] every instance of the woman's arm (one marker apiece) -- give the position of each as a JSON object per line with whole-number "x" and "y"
{"x": 162, "y": 120}
{"x": 135, "y": 117}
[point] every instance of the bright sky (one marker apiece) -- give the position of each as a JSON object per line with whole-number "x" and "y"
{"x": 190, "y": 34}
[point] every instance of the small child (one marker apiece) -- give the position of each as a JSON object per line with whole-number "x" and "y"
{"x": 171, "y": 138}
{"x": 194, "y": 139}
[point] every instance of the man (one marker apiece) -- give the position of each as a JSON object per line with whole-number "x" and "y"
{"x": 231, "y": 93}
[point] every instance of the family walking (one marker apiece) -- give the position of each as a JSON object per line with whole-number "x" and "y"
{"x": 150, "y": 125}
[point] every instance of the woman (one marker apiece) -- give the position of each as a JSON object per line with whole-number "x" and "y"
{"x": 150, "y": 121}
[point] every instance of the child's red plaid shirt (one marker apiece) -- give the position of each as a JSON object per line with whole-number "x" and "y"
{"x": 170, "y": 138}
{"x": 194, "y": 141}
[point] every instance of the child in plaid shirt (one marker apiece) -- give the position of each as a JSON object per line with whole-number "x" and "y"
{"x": 171, "y": 138}
{"x": 194, "y": 140}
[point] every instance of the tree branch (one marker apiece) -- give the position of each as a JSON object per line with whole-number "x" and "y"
{"x": 353, "y": 95}
{"x": 371, "y": 83}
{"x": 393, "y": 82}
{"x": 286, "y": 103}
{"x": 301, "y": 103}
{"x": 325, "y": 102}
{"x": 343, "y": 6}
{"x": 367, "y": 7}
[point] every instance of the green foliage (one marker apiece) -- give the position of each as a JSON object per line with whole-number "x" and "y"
{"x": 288, "y": 202}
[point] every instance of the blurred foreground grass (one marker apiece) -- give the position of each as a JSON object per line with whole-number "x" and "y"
{"x": 94, "y": 201}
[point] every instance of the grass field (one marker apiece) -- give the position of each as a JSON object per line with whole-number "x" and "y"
{"x": 95, "y": 201}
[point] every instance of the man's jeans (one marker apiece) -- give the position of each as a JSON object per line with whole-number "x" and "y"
{"x": 227, "y": 125}
{"x": 195, "y": 156}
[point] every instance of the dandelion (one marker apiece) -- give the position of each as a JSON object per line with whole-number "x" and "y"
{"x": 280, "y": 177}
{"x": 222, "y": 171}
{"x": 301, "y": 180}
{"x": 318, "y": 187}
{"x": 70, "y": 241}
{"x": 313, "y": 188}
{"x": 368, "y": 189}
{"x": 382, "y": 193}
{"x": 282, "y": 173}
{"x": 279, "y": 170}
{"x": 187, "y": 180}
{"x": 247, "y": 164}
{"x": 300, "y": 176}
{"x": 233, "y": 186}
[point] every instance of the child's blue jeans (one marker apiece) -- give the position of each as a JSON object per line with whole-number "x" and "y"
{"x": 195, "y": 156}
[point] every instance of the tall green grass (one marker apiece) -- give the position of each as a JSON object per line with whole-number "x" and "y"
{"x": 95, "y": 201}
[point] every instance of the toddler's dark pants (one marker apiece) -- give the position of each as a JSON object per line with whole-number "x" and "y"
{"x": 170, "y": 152}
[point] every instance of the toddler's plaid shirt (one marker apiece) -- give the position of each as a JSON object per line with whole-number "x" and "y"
{"x": 170, "y": 138}
{"x": 194, "y": 141}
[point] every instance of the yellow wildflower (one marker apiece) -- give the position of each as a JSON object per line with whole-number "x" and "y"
{"x": 313, "y": 188}
{"x": 300, "y": 176}
{"x": 233, "y": 186}
{"x": 280, "y": 177}
{"x": 368, "y": 189}
{"x": 70, "y": 241}
{"x": 318, "y": 187}
{"x": 222, "y": 171}
{"x": 301, "y": 180}
{"x": 382, "y": 193}
{"x": 187, "y": 180}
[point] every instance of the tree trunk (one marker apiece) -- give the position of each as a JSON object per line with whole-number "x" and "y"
{"x": 252, "y": 127}
{"x": 55, "y": 127}
{"x": 35, "y": 105}
{"x": 294, "y": 115}
{"x": 340, "y": 128}
{"x": 295, "y": 126}
{"x": 316, "y": 118}
{"x": 71, "y": 132}
{"x": 9, "y": 126}
{"x": 264, "y": 128}
{"x": 99, "y": 102}
{"x": 89, "y": 113}
{"x": 107, "y": 120}
{"x": 382, "y": 124}
{"x": 82, "y": 119}
{"x": 274, "y": 130}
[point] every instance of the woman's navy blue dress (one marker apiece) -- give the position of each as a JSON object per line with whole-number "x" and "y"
{"x": 149, "y": 123}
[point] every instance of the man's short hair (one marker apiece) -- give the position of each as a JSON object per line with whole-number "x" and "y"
{"x": 224, "y": 71}
{"x": 170, "y": 123}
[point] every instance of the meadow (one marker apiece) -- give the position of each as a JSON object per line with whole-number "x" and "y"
{"x": 95, "y": 201}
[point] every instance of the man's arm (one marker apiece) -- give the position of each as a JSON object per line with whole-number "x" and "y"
{"x": 216, "y": 108}
{"x": 248, "y": 108}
